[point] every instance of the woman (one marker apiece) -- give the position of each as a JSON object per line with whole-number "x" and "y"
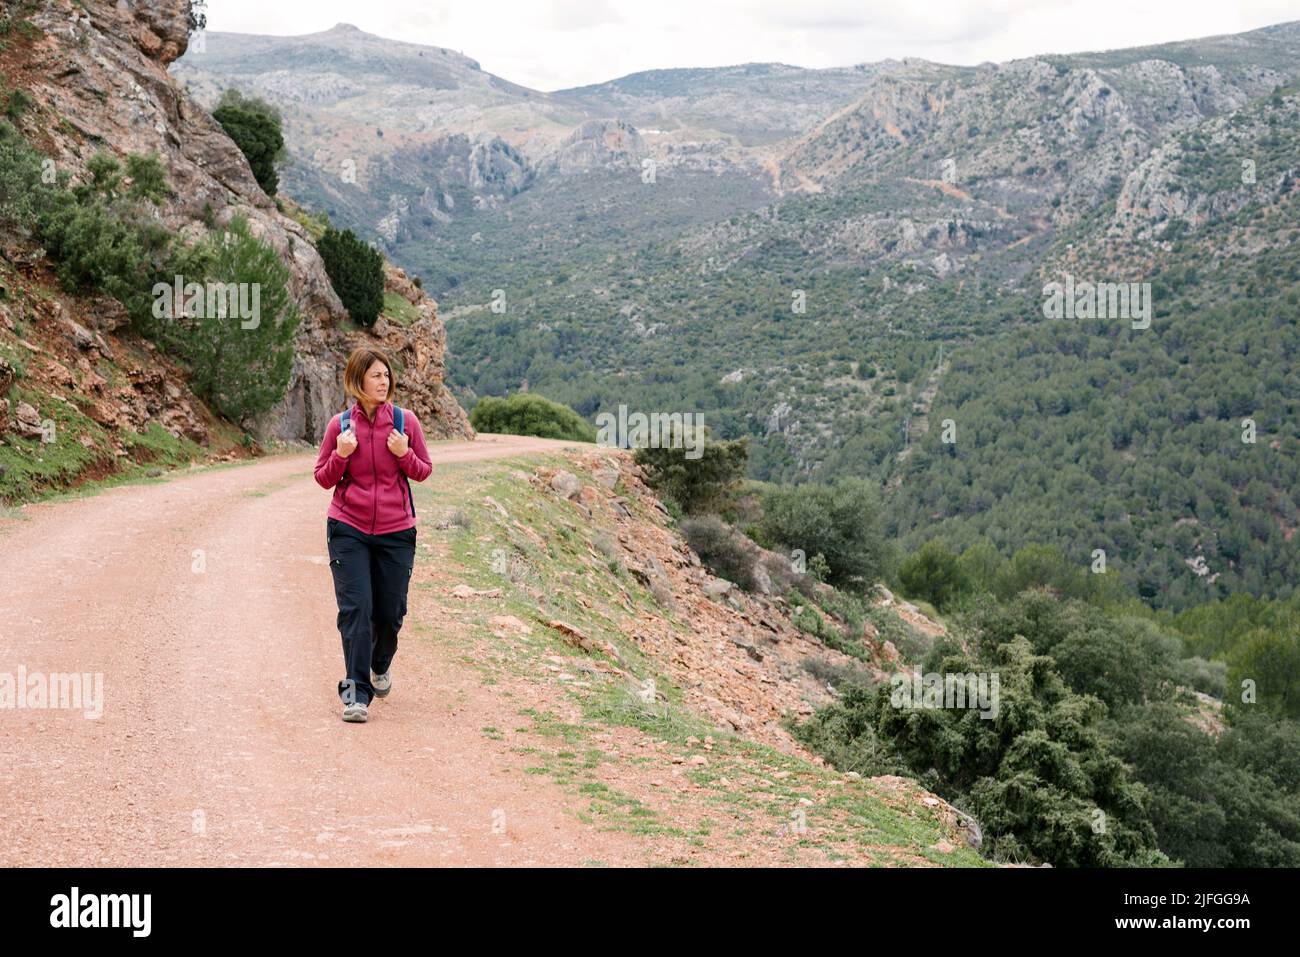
{"x": 370, "y": 528}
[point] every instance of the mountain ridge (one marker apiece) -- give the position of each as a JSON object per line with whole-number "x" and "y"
{"x": 655, "y": 256}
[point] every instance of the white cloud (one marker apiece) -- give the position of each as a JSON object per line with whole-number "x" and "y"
{"x": 579, "y": 14}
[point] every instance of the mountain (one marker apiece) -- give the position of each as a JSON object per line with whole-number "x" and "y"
{"x": 402, "y": 140}
{"x": 828, "y": 261}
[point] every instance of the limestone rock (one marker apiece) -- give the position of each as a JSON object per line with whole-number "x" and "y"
{"x": 103, "y": 69}
{"x": 566, "y": 483}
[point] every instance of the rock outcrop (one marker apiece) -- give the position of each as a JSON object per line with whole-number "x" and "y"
{"x": 744, "y": 662}
{"x": 102, "y": 68}
{"x": 599, "y": 144}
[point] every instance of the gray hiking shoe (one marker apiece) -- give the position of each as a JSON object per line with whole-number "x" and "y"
{"x": 381, "y": 683}
{"x": 356, "y": 711}
{"x": 353, "y": 710}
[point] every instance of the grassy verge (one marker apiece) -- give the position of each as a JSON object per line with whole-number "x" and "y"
{"x": 399, "y": 310}
{"x": 35, "y": 470}
{"x": 614, "y": 731}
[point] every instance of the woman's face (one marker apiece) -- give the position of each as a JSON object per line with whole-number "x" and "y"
{"x": 377, "y": 382}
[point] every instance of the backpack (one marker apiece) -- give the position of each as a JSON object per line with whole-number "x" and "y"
{"x": 399, "y": 423}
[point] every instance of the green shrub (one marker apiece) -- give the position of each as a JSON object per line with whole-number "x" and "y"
{"x": 1209, "y": 677}
{"x": 105, "y": 175}
{"x": 242, "y": 367}
{"x": 844, "y": 624}
{"x": 1040, "y": 566}
{"x": 20, "y": 102}
{"x": 1269, "y": 659}
{"x": 22, "y": 194}
{"x": 95, "y": 249}
{"x": 933, "y": 574}
{"x": 724, "y": 551}
{"x": 526, "y": 413}
{"x": 1038, "y": 775}
{"x": 356, "y": 272}
{"x": 104, "y": 240}
{"x": 979, "y": 567}
{"x": 1226, "y": 803}
{"x": 840, "y": 522}
{"x": 697, "y": 485}
{"x": 810, "y": 621}
{"x": 1118, "y": 658}
{"x": 255, "y": 127}
{"x": 1120, "y": 661}
{"x": 148, "y": 178}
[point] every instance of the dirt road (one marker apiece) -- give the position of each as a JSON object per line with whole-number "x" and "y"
{"x": 205, "y": 602}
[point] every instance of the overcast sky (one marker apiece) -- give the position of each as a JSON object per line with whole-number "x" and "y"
{"x": 552, "y": 44}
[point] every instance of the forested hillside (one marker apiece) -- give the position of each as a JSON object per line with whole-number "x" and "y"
{"x": 1171, "y": 447}
{"x": 1174, "y": 448}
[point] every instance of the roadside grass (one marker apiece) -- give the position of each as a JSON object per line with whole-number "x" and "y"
{"x": 712, "y": 788}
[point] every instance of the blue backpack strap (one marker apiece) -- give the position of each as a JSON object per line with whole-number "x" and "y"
{"x": 399, "y": 423}
{"x": 345, "y": 420}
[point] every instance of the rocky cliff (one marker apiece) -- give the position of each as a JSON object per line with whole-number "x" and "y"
{"x": 100, "y": 68}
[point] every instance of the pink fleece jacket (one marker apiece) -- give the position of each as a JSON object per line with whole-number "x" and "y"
{"x": 369, "y": 493}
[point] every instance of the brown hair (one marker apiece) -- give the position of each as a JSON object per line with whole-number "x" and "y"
{"x": 354, "y": 374}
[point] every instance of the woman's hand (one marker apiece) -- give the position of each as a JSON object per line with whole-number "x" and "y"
{"x": 397, "y": 443}
{"x": 347, "y": 443}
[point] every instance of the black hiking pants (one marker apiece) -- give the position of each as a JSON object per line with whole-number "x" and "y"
{"x": 371, "y": 577}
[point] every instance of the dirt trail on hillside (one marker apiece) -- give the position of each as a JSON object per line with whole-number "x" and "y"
{"x": 220, "y": 740}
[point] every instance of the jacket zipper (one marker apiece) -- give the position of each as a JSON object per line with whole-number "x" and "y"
{"x": 343, "y": 487}
{"x": 374, "y": 511}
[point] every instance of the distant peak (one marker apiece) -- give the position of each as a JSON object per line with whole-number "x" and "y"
{"x": 344, "y": 28}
